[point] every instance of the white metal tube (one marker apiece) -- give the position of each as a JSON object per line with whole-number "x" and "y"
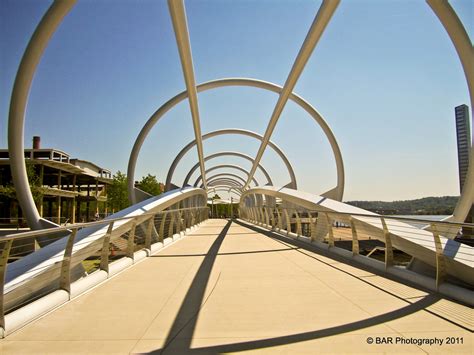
{"x": 180, "y": 25}
{"x": 317, "y": 28}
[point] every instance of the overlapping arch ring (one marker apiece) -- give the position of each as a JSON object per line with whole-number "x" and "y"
{"x": 235, "y": 177}
{"x": 225, "y": 177}
{"x": 227, "y": 153}
{"x": 226, "y": 166}
{"x": 336, "y": 193}
{"x": 59, "y": 9}
{"x": 225, "y": 188}
{"x": 227, "y": 181}
{"x": 244, "y": 132}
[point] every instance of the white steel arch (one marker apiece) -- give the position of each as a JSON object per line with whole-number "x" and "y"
{"x": 228, "y": 153}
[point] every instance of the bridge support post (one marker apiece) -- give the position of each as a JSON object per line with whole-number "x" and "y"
{"x": 440, "y": 258}
{"x": 171, "y": 226}
{"x": 313, "y": 227}
{"x": 104, "y": 258}
{"x": 288, "y": 222}
{"x": 388, "y": 245}
{"x": 267, "y": 218}
{"x": 299, "y": 229}
{"x": 149, "y": 230}
{"x": 3, "y": 269}
{"x": 330, "y": 230}
{"x": 162, "y": 225}
{"x": 279, "y": 223}
{"x": 131, "y": 241}
{"x": 65, "y": 279}
{"x": 272, "y": 218}
{"x": 355, "y": 239}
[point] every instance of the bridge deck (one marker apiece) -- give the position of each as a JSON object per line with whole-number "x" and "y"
{"x": 227, "y": 288}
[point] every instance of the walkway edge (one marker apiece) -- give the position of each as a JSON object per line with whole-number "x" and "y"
{"x": 451, "y": 291}
{"x": 50, "y": 302}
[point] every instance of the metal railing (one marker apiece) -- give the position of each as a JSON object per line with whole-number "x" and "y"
{"x": 123, "y": 238}
{"x": 351, "y": 230}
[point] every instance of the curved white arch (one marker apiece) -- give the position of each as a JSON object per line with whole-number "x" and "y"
{"x": 224, "y": 166}
{"x": 463, "y": 45}
{"x": 227, "y": 153}
{"x": 244, "y": 132}
{"x": 229, "y": 175}
{"x": 335, "y": 193}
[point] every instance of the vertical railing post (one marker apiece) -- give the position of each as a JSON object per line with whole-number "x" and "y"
{"x": 148, "y": 232}
{"x": 272, "y": 218}
{"x": 162, "y": 225}
{"x": 299, "y": 229}
{"x": 131, "y": 241}
{"x": 178, "y": 221}
{"x": 388, "y": 245}
{"x": 3, "y": 270}
{"x": 267, "y": 219}
{"x": 187, "y": 219}
{"x": 355, "y": 239}
{"x": 193, "y": 217}
{"x": 170, "y": 228}
{"x": 279, "y": 223}
{"x": 313, "y": 228}
{"x": 330, "y": 230}
{"x": 104, "y": 258}
{"x": 288, "y": 222}
{"x": 440, "y": 258}
{"x": 65, "y": 278}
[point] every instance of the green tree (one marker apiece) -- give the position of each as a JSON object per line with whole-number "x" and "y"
{"x": 150, "y": 184}
{"x": 117, "y": 192}
{"x": 35, "y": 185}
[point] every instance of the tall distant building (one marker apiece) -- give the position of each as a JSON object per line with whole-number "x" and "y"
{"x": 463, "y": 133}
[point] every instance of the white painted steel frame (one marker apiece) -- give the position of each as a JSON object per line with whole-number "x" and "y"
{"x": 227, "y": 153}
{"x": 180, "y": 25}
{"x": 335, "y": 193}
{"x": 463, "y": 45}
{"x": 59, "y": 9}
{"x": 272, "y": 145}
{"x": 225, "y": 166}
{"x": 16, "y": 120}
{"x": 317, "y": 28}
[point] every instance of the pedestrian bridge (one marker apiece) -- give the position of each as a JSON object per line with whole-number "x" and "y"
{"x": 229, "y": 286}
{"x": 288, "y": 272}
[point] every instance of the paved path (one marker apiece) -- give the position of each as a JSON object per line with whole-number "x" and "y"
{"x": 228, "y": 289}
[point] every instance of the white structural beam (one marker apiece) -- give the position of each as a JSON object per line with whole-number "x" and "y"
{"x": 16, "y": 120}
{"x": 317, "y": 28}
{"x": 180, "y": 25}
{"x": 458, "y": 35}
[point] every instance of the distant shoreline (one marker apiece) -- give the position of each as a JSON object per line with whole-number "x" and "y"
{"x": 428, "y": 206}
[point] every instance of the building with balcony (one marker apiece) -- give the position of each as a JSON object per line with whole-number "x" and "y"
{"x": 66, "y": 190}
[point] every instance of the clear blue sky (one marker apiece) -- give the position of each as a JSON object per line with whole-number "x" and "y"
{"x": 385, "y": 76}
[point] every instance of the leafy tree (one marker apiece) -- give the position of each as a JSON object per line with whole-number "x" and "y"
{"x": 150, "y": 184}
{"x": 117, "y": 192}
{"x": 35, "y": 185}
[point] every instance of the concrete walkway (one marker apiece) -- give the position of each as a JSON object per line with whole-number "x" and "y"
{"x": 228, "y": 289}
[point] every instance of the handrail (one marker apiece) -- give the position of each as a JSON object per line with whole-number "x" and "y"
{"x": 394, "y": 217}
{"x": 38, "y": 278}
{"x": 70, "y": 227}
{"x": 433, "y": 244}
